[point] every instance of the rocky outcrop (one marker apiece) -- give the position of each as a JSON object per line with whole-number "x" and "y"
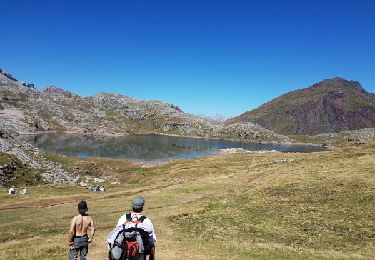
{"x": 31, "y": 157}
{"x": 54, "y": 89}
{"x": 8, "y": 75}
{"x": 252, "y": 132}
{"x": 332, "y": 105}
{"x": 355, "y": 137}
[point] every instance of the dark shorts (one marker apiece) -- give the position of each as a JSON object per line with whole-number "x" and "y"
{"x": 80, "y": 246}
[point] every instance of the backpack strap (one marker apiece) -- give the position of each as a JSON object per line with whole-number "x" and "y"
{"x": 129, "y": 217}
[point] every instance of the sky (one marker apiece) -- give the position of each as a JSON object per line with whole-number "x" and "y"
{"x": 208, "y": 57}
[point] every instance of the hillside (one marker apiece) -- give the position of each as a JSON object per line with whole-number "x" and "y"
{"x": 330, "y": 106}
{"x": 23, "y": 164}
{"x": 23, "y": 109}
{"x": 230, "y": 206}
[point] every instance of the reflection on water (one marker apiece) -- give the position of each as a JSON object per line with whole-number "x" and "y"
{"x": 146, "y": 147}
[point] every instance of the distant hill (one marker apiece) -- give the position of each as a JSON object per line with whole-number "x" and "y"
{"x": 24, "y": 109}
{"x": 332, "y": 105}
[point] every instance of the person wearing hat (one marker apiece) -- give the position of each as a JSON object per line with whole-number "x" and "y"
{"x": 138, "y": 203}
{"x": 78, "y": 232}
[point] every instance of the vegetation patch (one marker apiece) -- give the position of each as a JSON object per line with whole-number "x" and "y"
{"x": 17, "y": 173}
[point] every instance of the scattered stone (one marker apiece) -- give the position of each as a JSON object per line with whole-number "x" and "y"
{"x": 282, "y": 160}
{"x": 83, "y": 184}
{"x": 233, "y": 150}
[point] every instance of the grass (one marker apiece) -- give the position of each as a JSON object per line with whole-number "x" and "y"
{"x": 234, "y": 206}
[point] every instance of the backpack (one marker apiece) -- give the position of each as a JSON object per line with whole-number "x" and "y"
{"x": 127, "y": 241}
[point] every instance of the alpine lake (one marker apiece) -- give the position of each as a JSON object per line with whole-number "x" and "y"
{"x": 149, "y": 148}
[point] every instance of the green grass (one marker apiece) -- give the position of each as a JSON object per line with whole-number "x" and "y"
{"x": 63, "y": 160}
{"x": 23, "y": 175}
{"x": 234, "y": 206}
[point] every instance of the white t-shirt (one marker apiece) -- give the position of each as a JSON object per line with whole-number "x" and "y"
{"x": 146, "y": 225}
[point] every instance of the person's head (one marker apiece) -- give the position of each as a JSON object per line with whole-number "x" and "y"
{"x": 82, "y": 208}
{"x": 137, "y": 204}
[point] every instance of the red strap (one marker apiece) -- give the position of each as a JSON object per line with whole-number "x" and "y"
{"x": 132, "y": 248}
{"x": 133, "y": 221}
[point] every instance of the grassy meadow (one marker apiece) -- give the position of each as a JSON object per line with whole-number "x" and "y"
{"x": 229, "y": 206}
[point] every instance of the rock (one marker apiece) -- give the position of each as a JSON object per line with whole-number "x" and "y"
{"x": 54, "y": 89}
{"x": 52, "y": 172}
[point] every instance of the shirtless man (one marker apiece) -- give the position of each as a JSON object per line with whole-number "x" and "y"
{"x": 78, "y": 235}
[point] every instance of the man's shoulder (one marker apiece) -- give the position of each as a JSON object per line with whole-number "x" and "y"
{"x": 147, "y": 220}
{"x": 79, "y": 216}
{"x": 74, "y": 219}
{"x": 131, "y": 215}
{"x": 87, "y": 217}
{"x": 122, "y": 219}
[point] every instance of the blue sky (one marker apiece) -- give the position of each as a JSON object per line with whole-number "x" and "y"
{"x": 206, "y": 56}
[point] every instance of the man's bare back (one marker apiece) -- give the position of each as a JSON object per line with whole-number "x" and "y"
{"x": 80, "y": 225}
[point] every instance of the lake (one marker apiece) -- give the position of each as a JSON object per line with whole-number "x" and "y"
{"x": 147, "y": 148}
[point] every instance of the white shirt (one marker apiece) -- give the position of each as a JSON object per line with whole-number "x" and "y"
{"x": 146, "y": 225}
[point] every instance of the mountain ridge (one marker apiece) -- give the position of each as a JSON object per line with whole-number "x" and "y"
{"x": 331, "y": 105}
{"x": 27, "y": 110}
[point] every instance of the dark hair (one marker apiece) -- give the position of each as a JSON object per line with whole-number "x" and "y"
{"x": 137, "y": 209}
{"x": 83, "y": 212}
{"x": 82, "y": 207}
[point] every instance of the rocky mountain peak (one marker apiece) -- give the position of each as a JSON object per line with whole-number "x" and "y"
{"x": 54, "y": 89}
{"x": 8, "y": 75}
{"x": 331, "y": 105}
{"x": 339, "y": 83}
{"x": 11, "y": 84}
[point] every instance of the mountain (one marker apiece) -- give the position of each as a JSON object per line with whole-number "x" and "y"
{"x": 332, "y": 105}
{"x": 23, "y": 109}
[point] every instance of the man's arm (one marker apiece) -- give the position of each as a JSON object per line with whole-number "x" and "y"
{"x": 152, "y": 253}
{"x": 150, "y": 228}
{"x": 92, "y": 229}
{"x": 71, "y": 232}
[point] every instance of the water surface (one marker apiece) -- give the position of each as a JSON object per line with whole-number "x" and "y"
{"x": 147, "y": 147}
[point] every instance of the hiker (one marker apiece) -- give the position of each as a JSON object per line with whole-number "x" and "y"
{"x": 78, "y": 235}
{"x": 12, "y": 191}
{"x": 135, "y": 246}
{"x": 23, "y": 191}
